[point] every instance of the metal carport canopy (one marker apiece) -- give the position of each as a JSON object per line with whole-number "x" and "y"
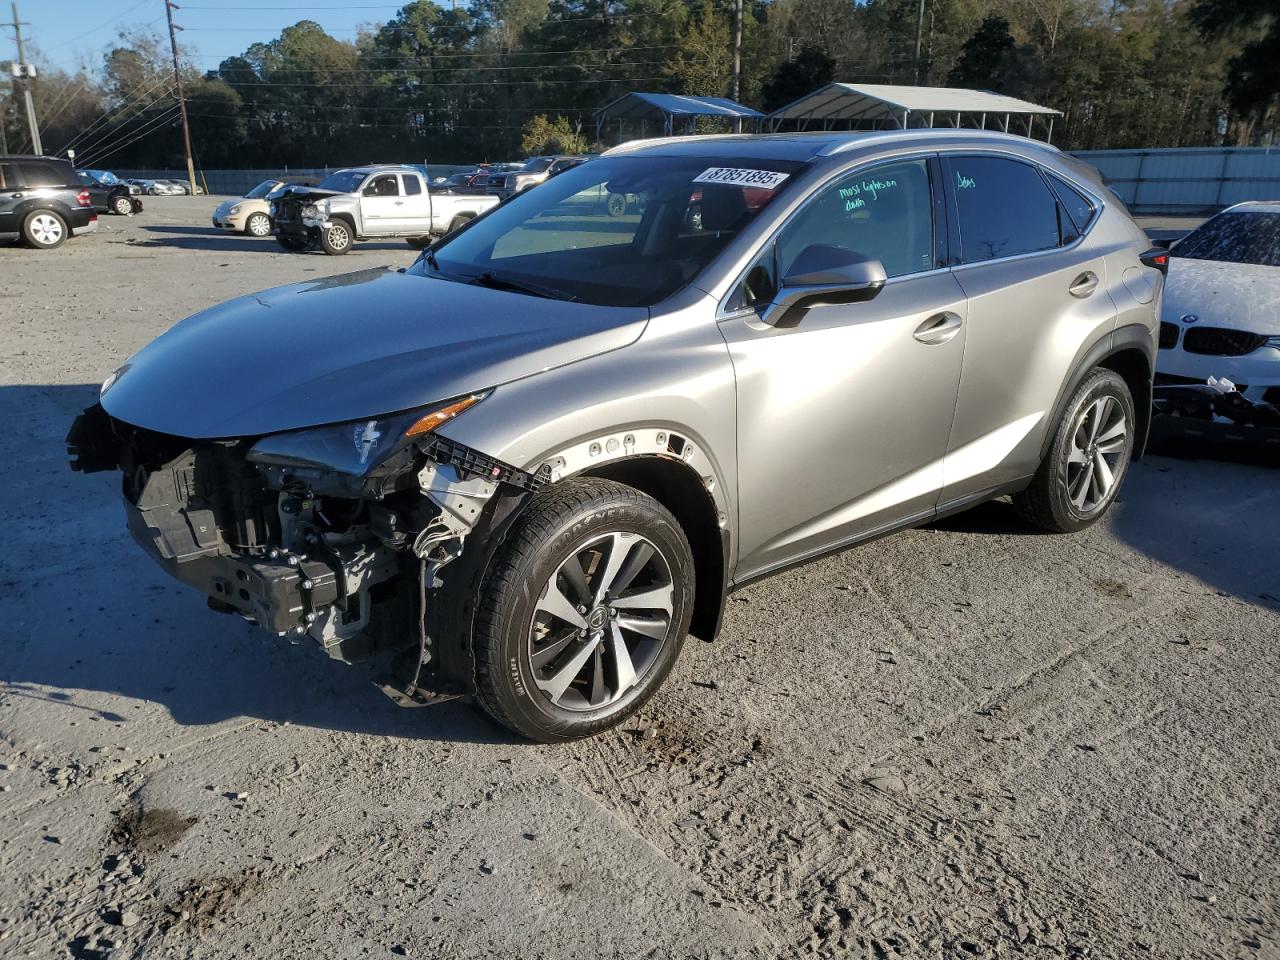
{"x": 876, "y": 101}
{"x": 665, "y": 107}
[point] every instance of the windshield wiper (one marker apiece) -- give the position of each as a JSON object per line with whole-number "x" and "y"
{"x": 495, "y": 282}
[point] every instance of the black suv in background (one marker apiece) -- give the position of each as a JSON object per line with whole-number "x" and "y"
{"x": 43, "y": 201}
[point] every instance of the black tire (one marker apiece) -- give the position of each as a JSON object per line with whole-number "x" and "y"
{"x": 557, "y": 526}
{"x": 45, "y": 229}
{"x": 257, "y": 225}
{"x": 418, "y": 243}
{"x": 291, "y": 242}
{"x": 122, "y": 206}
{"x": 1048, "y": 501}
{"x": 337, "y": 238}
{"x": 616, "y": 204}
{"x": 457, "y": 223}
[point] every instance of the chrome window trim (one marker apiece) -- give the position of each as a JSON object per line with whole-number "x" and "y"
{"x": 722, "y": 311}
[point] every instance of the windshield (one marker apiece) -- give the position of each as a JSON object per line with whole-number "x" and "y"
{"x": 619, "y": 231}
{"x": 261, "y": 190}
{"x": 344, "y": 181}
{"x": 536, "y": 165}
{"x": 1235, "y": 238}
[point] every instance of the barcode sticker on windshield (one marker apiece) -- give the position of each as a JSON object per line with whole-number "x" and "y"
{"x": 739, "y": 177}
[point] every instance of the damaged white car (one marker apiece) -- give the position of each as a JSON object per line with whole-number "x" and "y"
{"x": 1221, "y": 314}
{"x": 526, "y": 467}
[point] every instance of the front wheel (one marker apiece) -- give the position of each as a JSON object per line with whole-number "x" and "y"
{"x": 336, "y": 239}
{"x": 617, "y": 204}
{"x": 583, "y": 611}
{"x": 122, "y": 206}
{"x": 258, "y": 225}
{"x": 1087, "y": 460}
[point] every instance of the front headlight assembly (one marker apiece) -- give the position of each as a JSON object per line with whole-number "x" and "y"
{"x": 373, "y": 447}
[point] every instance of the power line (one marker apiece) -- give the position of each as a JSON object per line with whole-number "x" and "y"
{"x": 487, "y": 53}
{"x": 506, "y": 83}
{"x": 78, "y": 141}
{"x": 156, "y": 123}
{"x": 526, "y": 66}
{"x": 105, "y": 23}
{"x": 123, "y": 105}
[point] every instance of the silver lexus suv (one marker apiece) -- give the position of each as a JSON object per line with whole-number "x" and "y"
{"x": 526, "y": 467}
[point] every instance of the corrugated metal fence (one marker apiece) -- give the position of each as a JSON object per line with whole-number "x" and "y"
{"x": 236, "y": 183}
{"x": 1188, "y": 180}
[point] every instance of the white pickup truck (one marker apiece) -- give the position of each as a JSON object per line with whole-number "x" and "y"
{"x": 368, "y": 203}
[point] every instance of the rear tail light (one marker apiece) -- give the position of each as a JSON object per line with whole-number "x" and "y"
{"x": 83, "y": 199}
{"x": 1158, "y": 258}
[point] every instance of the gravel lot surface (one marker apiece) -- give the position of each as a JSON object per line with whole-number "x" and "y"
{"x": 965, "y": 740}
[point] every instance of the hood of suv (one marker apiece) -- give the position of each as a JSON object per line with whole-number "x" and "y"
{"x": 350, "y": 347}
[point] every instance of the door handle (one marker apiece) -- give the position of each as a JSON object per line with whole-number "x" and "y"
{"x": 939, "y": 328}
{"x": 1083, "y": 285}
{"x": 399, "y": 203}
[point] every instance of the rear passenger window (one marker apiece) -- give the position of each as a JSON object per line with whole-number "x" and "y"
{"x": 412, "y": 185}
{"x": 1004, "y": 207}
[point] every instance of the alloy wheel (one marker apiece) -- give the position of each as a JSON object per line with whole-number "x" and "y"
{"x": 259, "y": 225}
{"x": 601, "y": 621}
{"x": 339, "y": 238}
{"x": 1099, "y": 442}
{"x": 46, "y": 229}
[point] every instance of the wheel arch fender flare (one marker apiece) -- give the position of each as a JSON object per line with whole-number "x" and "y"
{"x": 1130, "y": 352}
{"x": 671, "y": 465}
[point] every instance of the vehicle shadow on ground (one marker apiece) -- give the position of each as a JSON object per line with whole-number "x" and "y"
{"x": 93, "y": 619}
{"x": 211, "y": 238}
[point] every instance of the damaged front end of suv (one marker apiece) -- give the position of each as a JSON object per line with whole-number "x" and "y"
{"x": 338, "y": 533}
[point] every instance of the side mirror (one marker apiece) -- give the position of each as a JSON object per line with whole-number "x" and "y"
{"x": 824, "y": 275}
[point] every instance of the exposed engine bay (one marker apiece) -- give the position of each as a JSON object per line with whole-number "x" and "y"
{"x": 277, "y": 534}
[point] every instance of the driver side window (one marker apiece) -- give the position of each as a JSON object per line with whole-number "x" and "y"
{"x": 382, "y": 186}
{"x": 884, "y": 213}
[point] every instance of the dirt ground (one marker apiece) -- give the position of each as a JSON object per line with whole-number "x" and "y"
{"x": 966, "y": 740}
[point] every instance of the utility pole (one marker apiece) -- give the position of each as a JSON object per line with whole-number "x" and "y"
{"x": 25, "y": 71}
{"x": 169, "y": 7}
{"x": 737, "y": 60}
{"x": 915, "y": 60}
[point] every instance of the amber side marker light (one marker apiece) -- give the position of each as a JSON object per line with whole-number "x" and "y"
{"x": 444, "y": 414}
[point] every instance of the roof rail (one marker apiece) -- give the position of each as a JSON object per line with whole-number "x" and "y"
{"x": 860, "y": 138}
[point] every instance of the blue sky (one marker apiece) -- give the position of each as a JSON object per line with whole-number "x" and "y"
{"x": 68, "y": 31}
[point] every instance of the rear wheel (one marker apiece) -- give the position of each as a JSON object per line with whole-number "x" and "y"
{"x": 44, "y": 229}
{"x": 336, "y": 239}
{"x": 583, "y": 612}
{"x": 617, "y": 204}
{"x": 1081, "y": 475}
{"x": 258, "y": 225}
